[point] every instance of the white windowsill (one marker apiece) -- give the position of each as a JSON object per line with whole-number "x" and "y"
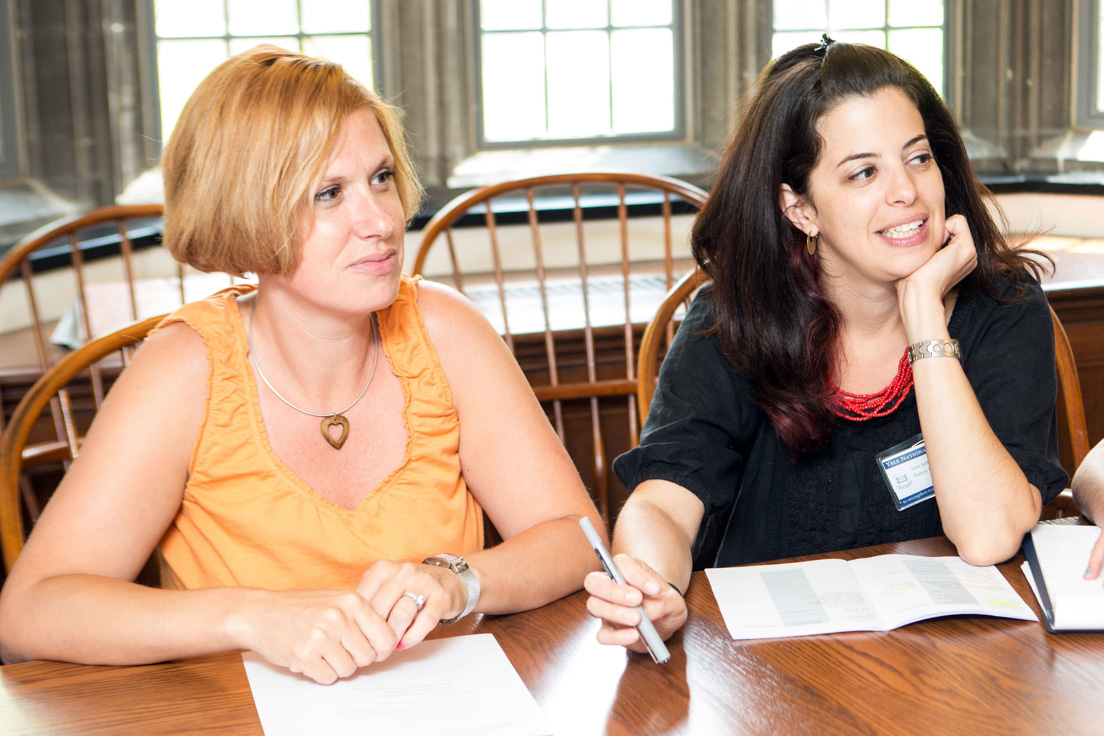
{"x": 680, "y": 160}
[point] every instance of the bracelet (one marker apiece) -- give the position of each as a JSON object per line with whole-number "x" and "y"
{"x": 676, "y": 589}
{"x": 934, "y": 349}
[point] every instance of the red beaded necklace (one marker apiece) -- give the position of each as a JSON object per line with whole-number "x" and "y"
{"x": 861, "y": 407}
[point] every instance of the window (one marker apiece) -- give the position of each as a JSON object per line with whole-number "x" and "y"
{"x": 1090, "y": 64}
{"x": 912, "y": 29}
{"x": 196, "y": 36}
{"x": 578, "y": 70}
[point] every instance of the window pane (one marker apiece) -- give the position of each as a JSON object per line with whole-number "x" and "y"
{"x": 578, "y": 84}
{"x": 196, "y": 18}
{"x": 352, "y": 52}
{"x": 791, "y": 15}
{"x": 513, "y": 86}
{"x": 923, "y": 47}
{"x": 559, "y": 81}
{"x": 508, "y": 15}
{"x": 181, "y": 66}
{"x": 337, "y": 16}
{"x": 856, "y": 13}
{"x": 239, "y": 45}
{"x": 643, "y": 81}
{"x": 262, "y": 17}
{"x": 870, "y": 38}
{"x": 576, "y": 13}
{"x": 783, "y": 42}
{"x": 914, "y": 13}
{"x": 641, "y": 13}
{"x": 865, "y": 21}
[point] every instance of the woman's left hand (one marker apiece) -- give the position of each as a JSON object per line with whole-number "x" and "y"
{"x": 929, "y": 285}
{"x": 386, "y": 585}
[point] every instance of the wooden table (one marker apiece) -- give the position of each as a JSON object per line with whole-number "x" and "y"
{"x": 968, "y": 675}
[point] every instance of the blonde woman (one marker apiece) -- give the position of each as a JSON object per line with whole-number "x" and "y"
{"x": 311, "y": 457}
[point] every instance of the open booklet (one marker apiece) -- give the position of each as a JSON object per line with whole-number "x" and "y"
{"x": 1056, "y": 558}
{"x": 871, "y": 594}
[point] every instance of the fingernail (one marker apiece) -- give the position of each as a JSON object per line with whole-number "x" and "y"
{"x": 652, "y": 587}
{"x": 400, "y": 645}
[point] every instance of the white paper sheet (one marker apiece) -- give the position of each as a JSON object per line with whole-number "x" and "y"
{"x": 458, "y": 686}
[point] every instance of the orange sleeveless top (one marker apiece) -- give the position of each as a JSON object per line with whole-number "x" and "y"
{"x": 247, "y": 520}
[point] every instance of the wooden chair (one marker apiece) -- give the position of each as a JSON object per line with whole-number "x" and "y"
{"x": 49, "y": 266}
{"x": 37, "y": 259}
{"x": 559, "y": 267}
{"x": 1073, "y": 432}
{"x": 659, "y": 334}
{"x": 73, "y": 386}
{"x": 1072, "y": 428}
{"x": 51, "y": 269}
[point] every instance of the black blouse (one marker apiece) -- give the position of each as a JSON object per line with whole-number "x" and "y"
{"x": 705, "y": 434}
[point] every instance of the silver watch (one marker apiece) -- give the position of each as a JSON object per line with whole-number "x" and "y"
{"x": 471, "y": 583}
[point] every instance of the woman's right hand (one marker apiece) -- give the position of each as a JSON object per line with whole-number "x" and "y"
{"x": 615, "y": 604}
{"x": 326, "y": 635}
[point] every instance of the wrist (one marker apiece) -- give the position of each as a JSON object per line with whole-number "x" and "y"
{"x": 926, "y": 327}
{"x": 457, "y": 568}
{"x": 237, "y": 626}
{"x": 924, "y": 316}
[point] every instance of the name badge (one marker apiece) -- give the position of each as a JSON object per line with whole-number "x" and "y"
{"x": 905, "y": 469}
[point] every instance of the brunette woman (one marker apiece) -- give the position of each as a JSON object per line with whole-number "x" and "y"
{"x": 873, "y": 362}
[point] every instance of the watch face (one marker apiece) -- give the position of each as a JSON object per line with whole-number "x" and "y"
{"x": 452, "y": 562}
{"x": 458, "y": 565}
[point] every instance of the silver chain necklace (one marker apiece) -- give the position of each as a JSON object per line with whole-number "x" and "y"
{"x": 331, "y": 419}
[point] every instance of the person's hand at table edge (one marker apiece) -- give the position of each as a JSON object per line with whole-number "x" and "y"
{"x": 1096, "y": 559}
{"x": 615, "y": 604}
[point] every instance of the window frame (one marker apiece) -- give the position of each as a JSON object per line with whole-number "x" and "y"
{"x": 681, "y": 97}
{"x": 1088, "y": 109}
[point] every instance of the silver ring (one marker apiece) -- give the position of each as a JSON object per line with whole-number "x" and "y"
{"x": 419, "y": 600}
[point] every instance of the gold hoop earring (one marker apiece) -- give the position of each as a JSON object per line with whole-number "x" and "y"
{"x": 811, "y": 244}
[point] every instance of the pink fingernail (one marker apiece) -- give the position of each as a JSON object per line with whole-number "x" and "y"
{"x": 400, "y": 646}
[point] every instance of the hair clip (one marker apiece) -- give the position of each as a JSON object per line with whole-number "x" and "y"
{"x": 825, "y": 42}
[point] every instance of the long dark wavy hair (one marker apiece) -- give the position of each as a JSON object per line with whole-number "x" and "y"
{"x": 774, "y": 322}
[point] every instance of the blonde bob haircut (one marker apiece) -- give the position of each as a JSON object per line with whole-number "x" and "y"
{"x": 251, "y": 144}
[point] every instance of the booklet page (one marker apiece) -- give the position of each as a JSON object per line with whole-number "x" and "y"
{"x": 791, "y": 599}
{"x": 908, "y": 588}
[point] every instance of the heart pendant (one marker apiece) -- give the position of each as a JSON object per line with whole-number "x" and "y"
{"x": 337, "y": 421}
